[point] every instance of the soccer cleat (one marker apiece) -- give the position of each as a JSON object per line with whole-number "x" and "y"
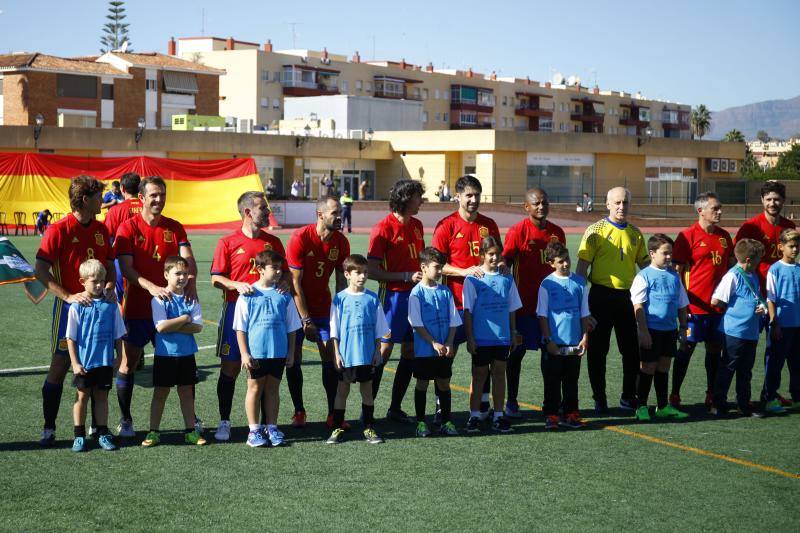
{"x": 371, "y": 436}
{"x": 448, "y": 429}
{"x": 473, "y": 424}
{"x": 627, "y": 404}
{"x": 299, "y": 419}
{"x": 784, "y": 402}
{"x": 501, "y": 425}
{"x": 48, "y": 438}
{"x": 718, "y": 413}
{"x": 601, "y": 407}
{"x": 512, "y": 410}
{"x": 195, "y": 438}
{"x": 573, "y": 420}
{"x": 398, "y": 415}
{"x": 223, "y": 431}
{"x": 125, "y": 428}
{"x": 151, "y": 439}
{"x": 275, "y": 437}
{"x": 669, "y": 411}
{"x": 643, "y": 414}
{"x": 422, "y": 429}
{"x": 344, "y": 426}
{"x": 337, "y": 437}
{"x": 79, "y": 445}
{"x": 551, "y": 422}
{"x": 709, "y": 401}
{"x": 107, "y": 442}
{"x": 775, "y": 407}
{"x": 256, "y": 439}
{"x": 198, "y": 424}
{"x": 675, "y": 400}
{"x": 749, "y": 412}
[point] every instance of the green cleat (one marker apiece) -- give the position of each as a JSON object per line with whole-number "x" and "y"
{"x": 422, "y": 429}
{"x": 194, "y": 438}
{"x": 670, "y": 412}
{"x": 642, "y": 414}
{"x": 152, "y": 439}
{"x": 336, "y": 437}
{"x": 774, "y": 408}
{"x": 448, "y": 429}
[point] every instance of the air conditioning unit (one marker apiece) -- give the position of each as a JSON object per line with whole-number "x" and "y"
{"x": 732, "y": 165}
{"x": 723, "y": 165}
{"x": 245, "y": 125}
{"x": 357, "y": 134}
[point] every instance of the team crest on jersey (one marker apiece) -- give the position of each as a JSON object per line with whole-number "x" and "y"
{"x": 333, "y": 254}
{"x": 98, "y": 239}
{"x": 62, "y": 345}
{"x": 723, "y": 242}
{"x": 417, "y": 233}
{"x": 459, "y": 235}
{"x": 169, "y": 236}
{"x": 240, "y": 251}
{"x": 225, "y": 349}
{"x": 483, "y": 231}
{"x": 267, "y": 246}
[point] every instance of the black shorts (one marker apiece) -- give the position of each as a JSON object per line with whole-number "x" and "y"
{"x": 487, "y": 354}
{"x": 436, "y": 367}
{"x": 663, "y": 345}
{"x": 99, "y": 377}
{"x": 170, "y": 371}
{"x": 268, "y": 367}
{"x": 357, "y": 374}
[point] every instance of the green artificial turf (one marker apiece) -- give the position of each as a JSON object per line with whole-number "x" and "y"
{"x": 593, "y": 479}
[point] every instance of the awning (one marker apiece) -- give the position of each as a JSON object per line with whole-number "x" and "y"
{"x": 180, "y": 82}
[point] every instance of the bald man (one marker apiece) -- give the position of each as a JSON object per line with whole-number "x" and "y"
{"x": 610, "y": 251}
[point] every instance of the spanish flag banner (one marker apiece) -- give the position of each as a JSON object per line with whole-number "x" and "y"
{"x": 200, "y": 194}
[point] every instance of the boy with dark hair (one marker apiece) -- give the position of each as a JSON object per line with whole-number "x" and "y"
{"x": 563, "y": 311}
{"x": 265, "y": 321}
{"x": 357, "y": 325}
{"x": 738, "y": 294}
{"x": 433, "y": 315}
{"x": 659, "y": 299}
{"x": 176, "y": 320}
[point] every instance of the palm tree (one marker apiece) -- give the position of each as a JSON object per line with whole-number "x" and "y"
{"x": 734, "y": 136}
{"x": 701, "y": 120}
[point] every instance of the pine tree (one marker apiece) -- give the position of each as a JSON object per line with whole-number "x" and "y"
{"x": 116, "y": 32}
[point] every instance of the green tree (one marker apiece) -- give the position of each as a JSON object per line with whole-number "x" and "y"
{"x": 734, "y": 136}
{"x": 116, "y": 31}
{"x": 701, "y": 121}
{"x": 762, "y": 136}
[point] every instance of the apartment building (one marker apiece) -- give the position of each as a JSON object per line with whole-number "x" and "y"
{"x": 258, "y": 78}
{"x": 112, "y": 90}
{"x": 768, "y": 153}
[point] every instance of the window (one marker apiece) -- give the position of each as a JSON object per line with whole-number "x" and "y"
{"x": 561, "y": 106}
{"x": 562, "y": 126}
{"x": 577, "y": 128}
{"x": 345, "y": 86}
{"x": 76, "y": 86}
{"x": 151, "y": 85}
{"x": 368, "y": 86}
{"x": 438, "y": 117}
{"x": 545, "y": 124}
{"x": 468, "y": 117}
{"x": 264, "y": 75}
{"x": 417, "y": 93}
{"x": 358, "y": 85}
{"x": 436, "y": 94}
{"x": 107, "y": 91}
{"x": 276, "y": 103}
{"x": 424, "y": 94}
{"x": 445, "y": 117}
{"x": 424, "y": 117}
{"x": 644, "y": 114}
{"x": 265, "y": 102}
{"x": 276, "y": 76}
{"x": 505, "y": 100}
{"x": 505, "y": 122}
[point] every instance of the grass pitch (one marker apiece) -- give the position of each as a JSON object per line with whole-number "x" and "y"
{"x": 740, "y": 474}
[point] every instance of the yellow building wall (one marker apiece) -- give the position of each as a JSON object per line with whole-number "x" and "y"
{"x": 617, "y": 170}
{"x": 511, "y": 176}
{"x": 430, "y": 169}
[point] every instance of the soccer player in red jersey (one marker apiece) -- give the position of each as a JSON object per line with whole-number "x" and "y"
{"x": 233, "y": 270}
{"x": 119, "y": 213}
{"x": 766, "y": 228}
{"x": 524, "y": 253}
{"x": 65, "y": 245}
{"x": 314, "y": 252}
{"x": 393, "y": 255}
{"x": 458, "y": 236}
{"x": 142, "y": 245}
{"x": 702, "y": 254}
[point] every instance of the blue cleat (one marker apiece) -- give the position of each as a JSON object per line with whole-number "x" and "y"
{"x": 256, "y": 439}
{"x": 107, "y": 442}
{"x": 79, "y": 444}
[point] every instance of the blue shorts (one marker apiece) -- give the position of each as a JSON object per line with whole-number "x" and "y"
{"x": 395, "y": 306}
{"x": 704, "y": 328}
{"x": 227, "y": 345}
{"x": 141, "y": 332}
{"x": 58, "y": 333}
{"x": 119, "y": 287}
{"x": 528, "y": 327}
{"x": 323, "y": 326}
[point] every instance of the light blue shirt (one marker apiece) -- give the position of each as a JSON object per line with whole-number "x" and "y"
{"x": 661, "y": 293}
{"x": 783, "y": 289}
{"x": 740, "y": 319}
{"x": 491, "y": 299}
{"x": 267, "y": 316}
{"x": 175, "y": 344}
{"x": 434, "y": 309}
{"x": 95, "y": 328}
{"x": 564, "y": 301}
{"x": 357, "y": 321}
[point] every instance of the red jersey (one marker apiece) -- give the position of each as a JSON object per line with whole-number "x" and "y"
{"x": 121, "y": 212}
{"x": 760, "y": 229}
{"x": 68, "y": 243}
{"x": 706, "y": 257}
{"x": 235, "y": 257}
{"x": 150, "y": 246}
{"x": 523, "y": 252}
{"x": 460, "y": 241}
{"x": 397, "y": 246}
{"x": 317, "y": 260}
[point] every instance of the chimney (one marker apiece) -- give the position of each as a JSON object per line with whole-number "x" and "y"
{"x": 268, "y": 45}
{"x": 171, "y": 48}
{"x": 325, "y": 54}
{"x": 429, "y": 68}
{"x": 493, "y": 77}
{"x": 547, "y": 85}
{"x": 527, "y": 80}
{"x": 356, "y": 58}
{"x": 596, "y": 90}
{"x": 229, "y": 43}
{"x": 403, "y": 64}
{"x": 469, "y": 72}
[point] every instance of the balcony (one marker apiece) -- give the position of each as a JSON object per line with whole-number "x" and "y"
{"x": 471, "y": 126}
{"x": 533, "y": 110}
{"x": 633, "y": 121}
{"x": 587, "y": 116}
{"x": 395, "y": 95}
{"x": 307, "y": 88}
{"x": 466, "y": 98}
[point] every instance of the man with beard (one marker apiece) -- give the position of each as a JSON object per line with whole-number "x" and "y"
{"x": 142, "y": 245}
{"x": 393, "y": 254}
{"x": 65, "y": 245}
{"x": 314, "y": 252}
{"x": 233, "y": 271}
{"x": 524, "y": 253}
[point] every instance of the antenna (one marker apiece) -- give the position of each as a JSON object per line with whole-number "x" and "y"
{"x": 294, "y": 33}
{"x": 558, "y": 78}
{"x": 203, "y": 22}
{"x": 373, "y": 47}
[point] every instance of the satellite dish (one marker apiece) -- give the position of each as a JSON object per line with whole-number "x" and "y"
{"x": 571, "y": 80}
{"x": 558, "y": 78}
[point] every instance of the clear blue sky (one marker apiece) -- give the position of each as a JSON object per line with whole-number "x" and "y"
{"x": 719, "y": 53}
